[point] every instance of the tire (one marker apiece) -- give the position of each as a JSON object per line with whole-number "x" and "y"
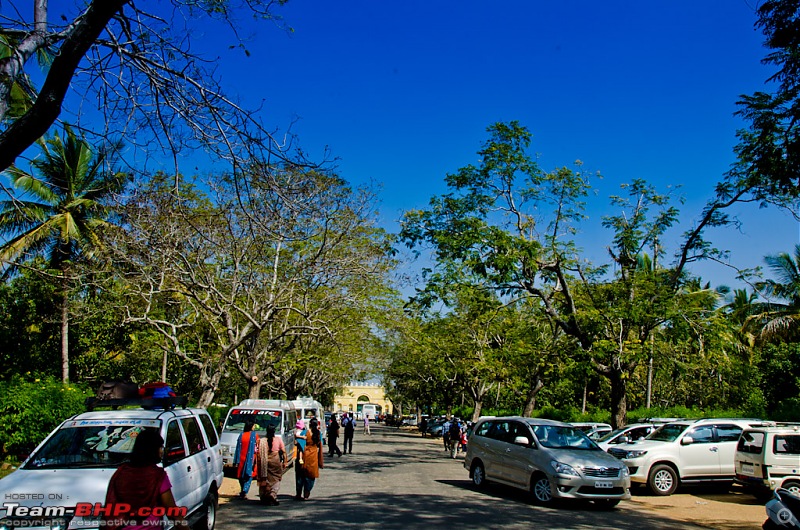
{"x": 540, "y": 488}
{"x": 663, "y": 480}
{"x": 605, "y": 504}
{"x": 792, "y": 486}
{"x": 208, "y": 517}
{"x": 479, "y": 475}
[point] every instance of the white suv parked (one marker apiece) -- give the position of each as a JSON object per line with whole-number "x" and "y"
{"x": 684, "y": 452}
{"x": 75, "y": 462}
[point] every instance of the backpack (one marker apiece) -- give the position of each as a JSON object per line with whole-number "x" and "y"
{"x": 455, "y": 431}
{"x": 156, "y": 390}
{"x": 117, "y": 390}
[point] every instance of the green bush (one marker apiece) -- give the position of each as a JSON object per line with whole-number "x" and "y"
{"x": 30, "y": 409}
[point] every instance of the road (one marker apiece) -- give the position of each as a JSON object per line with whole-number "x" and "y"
{"x": 397, "y": 480}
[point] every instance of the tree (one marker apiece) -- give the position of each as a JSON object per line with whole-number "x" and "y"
{"x": 61, "y": 213}
{"x": 769, "y": 150}
{"x": 140, "y": 68}
{"x": 781, "y": 317}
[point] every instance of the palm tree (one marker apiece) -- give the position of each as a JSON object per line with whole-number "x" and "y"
{"x": 782, "y": 319}
{"x": 60, "y": 213}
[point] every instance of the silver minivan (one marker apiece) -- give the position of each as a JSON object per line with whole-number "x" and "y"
{"x": 549, "y": 458}
{"x": 279, "y": 413}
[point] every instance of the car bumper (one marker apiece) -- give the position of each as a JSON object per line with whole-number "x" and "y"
{"x": 569, "y": 487}
{"x": 637, "y": 469}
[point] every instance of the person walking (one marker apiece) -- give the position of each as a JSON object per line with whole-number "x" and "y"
{"x": 142, "y": 483}
{"x": 455, "y": 437}
{"x": 245, "y": 458}
{"x": 366, "y": 424}
{"x": 423, "y": 426}
{"x": 349, "y": 430}
{"x": 271, "y": 463}
{"x": 446, "y": 434}
{"x": 333, "y": 435}
{"x": 312, "y": 463}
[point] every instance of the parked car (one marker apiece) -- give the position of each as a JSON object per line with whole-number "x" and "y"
{"x": 550, "y": 459}
{"x": 689, "y": 451}
{"x": 435, "y": 427}
{"x": 592, "y": 429}
{"x": 75, "y": 462}
{"x": 279, "y": 413}
{"x": 630, "y": 433}
{"x": 768, "y": 458}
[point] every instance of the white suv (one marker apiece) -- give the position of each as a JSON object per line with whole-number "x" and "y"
{"x": 75, "y": 462}
{"x": 684, "y": 452}
{"x": 768, "y": 458}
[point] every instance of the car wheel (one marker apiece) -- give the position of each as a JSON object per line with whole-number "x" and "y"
{"x": 663, "y": 480}
{"x": 209, "y": 513}
{"x": 541, "y": 489}
{"x": 793, "y": 487}
{"x": 606, "y": 504}
{"x": 478, "y": 475}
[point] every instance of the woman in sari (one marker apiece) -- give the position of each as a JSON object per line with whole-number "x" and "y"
{"x": 245, "y": 458}
{"x": 312, "y": 463}
{"x": 271, "y": 463}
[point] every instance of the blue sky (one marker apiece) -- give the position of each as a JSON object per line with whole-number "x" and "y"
{"x": 402, "y": 93}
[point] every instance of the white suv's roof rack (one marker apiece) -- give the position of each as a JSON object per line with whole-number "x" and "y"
{"x": 166, "y": 403}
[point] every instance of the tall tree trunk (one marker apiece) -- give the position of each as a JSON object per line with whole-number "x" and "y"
{"x": 530, "y": 399}
{"x": 619, "y": 400}
{"x": 210, "y": 384}
{"x": 65, "y": 331}
{"x": 254, "y": 387}
{"x": 477, "y": 412}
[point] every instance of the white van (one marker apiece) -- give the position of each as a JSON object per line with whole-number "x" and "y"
{"x": 768, "y": 458}
{"x": 278, "y": 412}
{"x": 308, "y": 408}
{"x": 371, "y": 410}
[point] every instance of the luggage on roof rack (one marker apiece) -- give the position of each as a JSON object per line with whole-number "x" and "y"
{"x": 165, "y": 403}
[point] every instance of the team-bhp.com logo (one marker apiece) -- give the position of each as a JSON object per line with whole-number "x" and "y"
{"x": 118, "y": 514}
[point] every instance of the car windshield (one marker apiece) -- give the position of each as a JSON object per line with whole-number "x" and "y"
{"x": 88, "y": 446}
{"x": 558, "y": 437}
{"x": 668, "y": 432}
{"x": 261, "y": 418}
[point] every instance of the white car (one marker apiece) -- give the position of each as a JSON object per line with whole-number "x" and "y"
{"x": 768, "y": 459}
{"x": 684, "y": 452}
{"x": 75, "y": 462}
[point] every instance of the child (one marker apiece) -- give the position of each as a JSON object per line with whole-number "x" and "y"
{"x": 300, "y": 439}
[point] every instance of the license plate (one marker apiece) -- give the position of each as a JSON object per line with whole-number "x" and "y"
{"x": 603, "y": 484}
{"x": 747, "y": 469}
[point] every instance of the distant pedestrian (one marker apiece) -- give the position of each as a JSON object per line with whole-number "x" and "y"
{"x": 271, "y": 463}
{"x": 446, "y": 434}
{"x": 245, "y": 458}
{"x": 455, "y": 437}
{"x": 423, "y": 426}
{"x": 366, "y": 424}
{"x": 349, "y": 425}
{"x": 333, "y": 435}
{"x": 312, "y": 463}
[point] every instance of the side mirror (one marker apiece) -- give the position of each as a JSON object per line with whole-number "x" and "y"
{"x": 521, "y": 440}
{"x": 687, "y": 440}
{"x": 623, "y": 440}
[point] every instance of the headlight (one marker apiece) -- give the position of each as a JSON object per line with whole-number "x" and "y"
{"x": 563, "y": 469}
{"x": 634, "y": 454}
{"x": 624, "y": 473}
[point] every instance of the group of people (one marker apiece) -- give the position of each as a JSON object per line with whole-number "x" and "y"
{"x": 265, "y": 460}
{"x": 348, "y": 425}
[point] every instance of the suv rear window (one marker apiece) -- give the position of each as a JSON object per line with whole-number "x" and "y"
{"x": 787, "y": 444}
{"x": 751, "y": 442}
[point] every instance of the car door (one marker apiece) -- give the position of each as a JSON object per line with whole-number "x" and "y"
{"x": 701, "y": 457}
{"x": 175, "y": 463}
{"x": 517, "y": 458}
{"x": 494, "y": 448}
{"x": 198, "y": 463}
{"x": 727, "y": 440}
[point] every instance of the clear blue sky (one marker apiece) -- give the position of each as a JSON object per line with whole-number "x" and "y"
{"x": 402, "y": 93}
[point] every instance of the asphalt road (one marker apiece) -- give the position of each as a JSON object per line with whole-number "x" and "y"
{"x": 398, "y": 480}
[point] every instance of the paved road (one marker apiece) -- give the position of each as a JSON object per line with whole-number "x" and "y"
{"x": 398, "y": 480}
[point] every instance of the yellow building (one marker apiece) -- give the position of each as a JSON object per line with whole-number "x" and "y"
{"x": 354, "y": 396}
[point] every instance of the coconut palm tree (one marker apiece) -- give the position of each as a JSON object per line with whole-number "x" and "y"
{"x": 783, "y": 318}
{"x": 59, "y": 213}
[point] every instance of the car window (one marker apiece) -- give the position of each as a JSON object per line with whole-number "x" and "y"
{"x": 175, "y": 446}
{"x": 194, "y": 438}
{"x": 787, "y": 444}
{"x": 751, "y": 442}
{"x": 703, "y": 434}
{"x": 483, "y": 428}
{"x": 498, "y": 431}
{"x": 86, "y": 446}
{"x": 515, "y": 429}
{"x": 728, "y": 433}
{"x": 639, "y": 433}
{"x": 211, "y": 432}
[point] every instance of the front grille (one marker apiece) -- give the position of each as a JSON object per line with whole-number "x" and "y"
{"x": 591, "y": 490}
{"x": 601, "y": 472}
